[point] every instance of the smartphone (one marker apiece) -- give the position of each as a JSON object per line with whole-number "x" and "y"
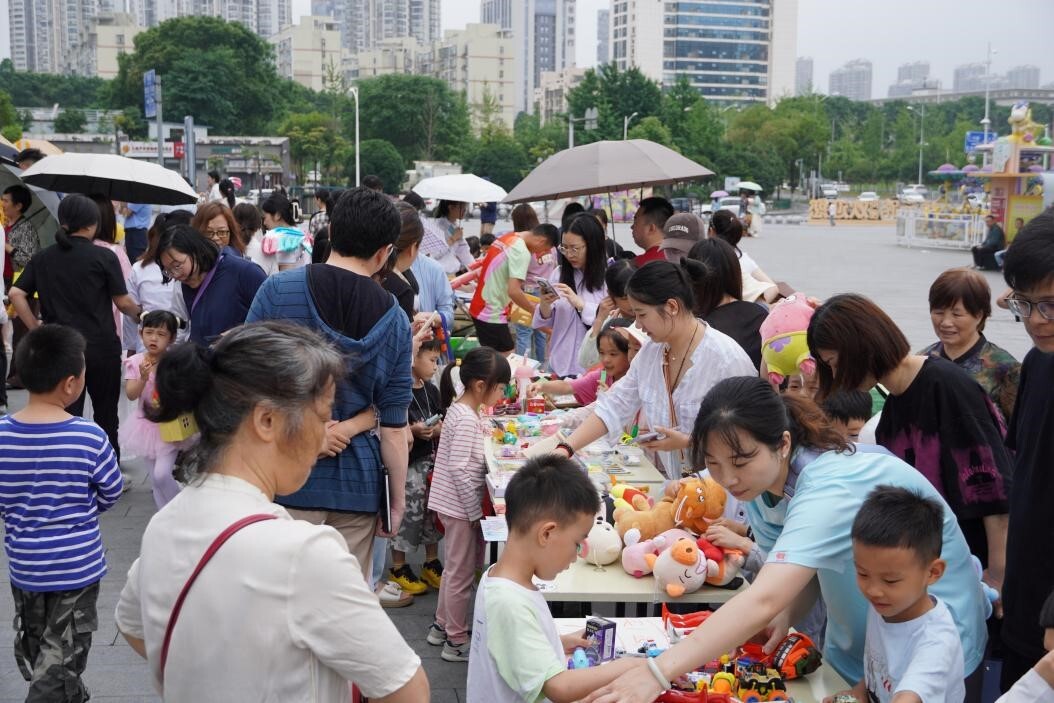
{"x": 433, "y": 421}
{"x": 544, "y": 287}
{"x": 386, "y": 505}
{"x": 649, "y": 437}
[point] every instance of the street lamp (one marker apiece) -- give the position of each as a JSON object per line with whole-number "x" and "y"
{"x": 625, "y": 124}
{"x": 922, "y": 143}
{"x": 986, "y": 122}
{"x": 354, "y": 91}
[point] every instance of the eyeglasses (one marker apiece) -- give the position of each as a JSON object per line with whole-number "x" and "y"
{"x": 175, "y": 267}
{"x": 218, "y": 233}
{"x": 573, "y": 251}
{"x": 1023, "y": 308}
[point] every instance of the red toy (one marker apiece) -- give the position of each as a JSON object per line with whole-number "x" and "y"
{"x": 704, "y": 696}
{"x": 794, "y": 657}
{"x": 680, "y": 625}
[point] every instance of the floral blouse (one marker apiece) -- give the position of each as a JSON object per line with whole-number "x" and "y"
{"x": 993, "y": 367}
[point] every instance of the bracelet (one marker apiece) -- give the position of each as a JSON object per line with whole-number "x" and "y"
{"x": 567, "y": 448}
{"x": 663, "y": 681}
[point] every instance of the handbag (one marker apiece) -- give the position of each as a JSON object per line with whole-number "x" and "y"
{"x": 205, "y": 558}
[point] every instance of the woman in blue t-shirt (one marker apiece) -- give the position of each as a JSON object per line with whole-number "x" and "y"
{"x": 802, "y": 485}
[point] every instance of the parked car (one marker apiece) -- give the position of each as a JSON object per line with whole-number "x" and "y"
{"x": 911, "y": 196}
{"x": 683, "y": 204}
{"x": 868, "y": 196}
{"x": 729, "y": 202}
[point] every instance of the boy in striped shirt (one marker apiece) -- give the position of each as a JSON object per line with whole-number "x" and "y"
{"x": 57, "y": 473}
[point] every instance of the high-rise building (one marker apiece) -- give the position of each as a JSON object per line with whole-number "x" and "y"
{"x": 803, "y": 71}
{"x": 853, "y": 80}
{"x": 398, "y": 55}
{"x": 733, "y": 53}
{"x": 544, "y": 32}
{"x": 550, "y": 97}
{"x": 969, "y": 77}
{"x": 45, "y": 34}
{"x": 916, "y": 72}
{"x": 1023, "y": 77}
{"x": 603, "y": 37}
{"x": 107, "y": 37}
{"x": 310, "y": 52}
{"x": 365, "y": 24}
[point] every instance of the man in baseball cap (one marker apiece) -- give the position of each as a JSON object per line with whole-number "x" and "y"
{"x": 680, "y": 234}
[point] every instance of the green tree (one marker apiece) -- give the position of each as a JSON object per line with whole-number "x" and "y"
{"x": 220, "y": 72}
{"x": 70, "y": 121}
{"x": 616, "y": 95}
{"x": 132, "y": 123}
{"x": 499, "y": 157}
{"x": 46, "y": 89}
{"x": 8, "y": 114}
{"x": 11, "y": 132}
{"x": 652, "y": 129}
{"x": 313, "y": 141}
{"x": 382, "y": 159}
{"x": 420, "y": 116}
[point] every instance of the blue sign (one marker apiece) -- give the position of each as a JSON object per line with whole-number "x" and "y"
{"x": 150, "y": 93}
{"x": 976, "y": 139}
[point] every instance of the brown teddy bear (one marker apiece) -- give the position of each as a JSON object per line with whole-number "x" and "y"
{"x": 696, "y": 504}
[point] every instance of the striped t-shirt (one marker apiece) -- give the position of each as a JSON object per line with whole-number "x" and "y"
{"x": 460, "y": 467}
{"x": 55, "y": 479}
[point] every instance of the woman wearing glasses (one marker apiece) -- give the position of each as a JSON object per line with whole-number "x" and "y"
{"x": 569, "y": 305}
{"x": 216, "y": 221}
{"x": 937, "y": 418}
{"x": 216, "y": 286}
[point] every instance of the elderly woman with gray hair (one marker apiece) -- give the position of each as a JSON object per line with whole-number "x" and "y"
{"x": 279, "y": 611}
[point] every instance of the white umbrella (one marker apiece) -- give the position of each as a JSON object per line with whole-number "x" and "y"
{"x": 749, "y": 185}
{"x": 117, "y": 177}
{"x": 460, "y": 188}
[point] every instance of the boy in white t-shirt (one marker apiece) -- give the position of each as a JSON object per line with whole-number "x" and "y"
{"x": 912, "y": 650}
{"x": 517, "y": 654}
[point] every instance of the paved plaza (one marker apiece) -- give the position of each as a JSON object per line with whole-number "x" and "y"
{"x": 818, "y": 260}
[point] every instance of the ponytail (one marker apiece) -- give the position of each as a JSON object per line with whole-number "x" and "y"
{"x": 184, "y": 377}
{"x": 227, "y": 191}
{"x": 76, "y": 212}
{"x": 723, "y": 274}
{"x": 479, "y": 364}
{"x": 751, "y": 405}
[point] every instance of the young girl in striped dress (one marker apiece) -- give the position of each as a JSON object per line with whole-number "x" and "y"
{"x": 457, "y": 490}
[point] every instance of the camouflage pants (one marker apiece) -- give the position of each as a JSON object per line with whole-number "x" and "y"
{"x": 419, "y": 525}
{"x": 53, "y": 633}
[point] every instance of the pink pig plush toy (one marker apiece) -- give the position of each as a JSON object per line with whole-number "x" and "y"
{"x": 784, "y": 348}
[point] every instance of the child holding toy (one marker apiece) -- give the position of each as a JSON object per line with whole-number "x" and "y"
{"x": 457, "y": 490}
{"x": 517, "y": 654}
{"x": 912, "y": 650}
{"x": 139, "y": 435}
{"x": 614, "y": 363}
{"x": 418, "y": 526}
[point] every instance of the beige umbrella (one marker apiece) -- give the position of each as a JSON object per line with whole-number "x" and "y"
{"x": 605, "y": 167}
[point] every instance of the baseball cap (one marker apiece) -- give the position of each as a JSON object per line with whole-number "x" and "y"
{"x": 681, "y": 232}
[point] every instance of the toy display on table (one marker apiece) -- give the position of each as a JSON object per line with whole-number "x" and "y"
{"x": 630, "y": 497}
{"x": 635, "y": 554}
{"x": 784, "y": 347}
{"x": 688, "y": 564}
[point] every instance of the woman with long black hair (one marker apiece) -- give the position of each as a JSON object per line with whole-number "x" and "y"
{"x": 78, "y": 284}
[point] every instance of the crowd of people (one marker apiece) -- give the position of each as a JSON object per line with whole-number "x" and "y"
{"x": 291, "y": 391}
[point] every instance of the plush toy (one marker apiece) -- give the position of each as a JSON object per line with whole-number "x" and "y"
{"x": 722, "y": 565}
{"x": 634, "y": 556}
{"x": 627, "y": 496}
{"x": 602, "y": 545}
{"x": 697, "y": 503}
{"x": 784, "y": 348}
{"x": 680, "y": 569}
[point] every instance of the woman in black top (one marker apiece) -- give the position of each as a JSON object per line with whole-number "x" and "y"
{"x": 78, "y": 283}
{"x": 719, "y": 295}
{"x": 396, "y": 277}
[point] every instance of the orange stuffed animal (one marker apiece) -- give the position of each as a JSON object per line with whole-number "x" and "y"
{"x": 697, "y": 503}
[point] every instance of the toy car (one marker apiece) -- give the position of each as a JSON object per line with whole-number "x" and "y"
{"x": 794, "y": 657}
{"x": 759, "y": 683}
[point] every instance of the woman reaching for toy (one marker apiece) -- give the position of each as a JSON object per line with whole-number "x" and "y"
{"x": 669, "y": 376}
{"x": 802, "y": 485}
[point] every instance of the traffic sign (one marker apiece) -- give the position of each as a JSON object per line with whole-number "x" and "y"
{"x": 976, "y": 139}
{"x": 150, "y": 93}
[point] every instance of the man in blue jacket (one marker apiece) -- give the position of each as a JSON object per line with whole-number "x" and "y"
{"x": 340, "y": 300}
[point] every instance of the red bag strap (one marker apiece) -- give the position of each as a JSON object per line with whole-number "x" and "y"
{"x": 205, "y": 558}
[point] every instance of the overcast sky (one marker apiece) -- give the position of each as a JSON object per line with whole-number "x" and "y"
{"x": 887, "y": 32}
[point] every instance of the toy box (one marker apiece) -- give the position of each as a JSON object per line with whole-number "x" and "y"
{"x": 602, "y": 632}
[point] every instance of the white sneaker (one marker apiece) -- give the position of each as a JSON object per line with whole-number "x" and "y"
{"x": 393, "y": 596}
{"x": 455, "y": 653}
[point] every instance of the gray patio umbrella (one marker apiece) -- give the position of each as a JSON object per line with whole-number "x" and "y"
{"x": 42, "y": 210}
{"x": 605, "y": 167}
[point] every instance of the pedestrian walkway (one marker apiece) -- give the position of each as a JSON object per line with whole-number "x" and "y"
{"x": 818, "y": 260}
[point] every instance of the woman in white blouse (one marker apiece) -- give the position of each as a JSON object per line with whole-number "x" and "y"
{"x": 281, "y": 612}
{"x": 145, "y": 283}
{"x": 444, "y": 238}
{"x": 671, "y": 374}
